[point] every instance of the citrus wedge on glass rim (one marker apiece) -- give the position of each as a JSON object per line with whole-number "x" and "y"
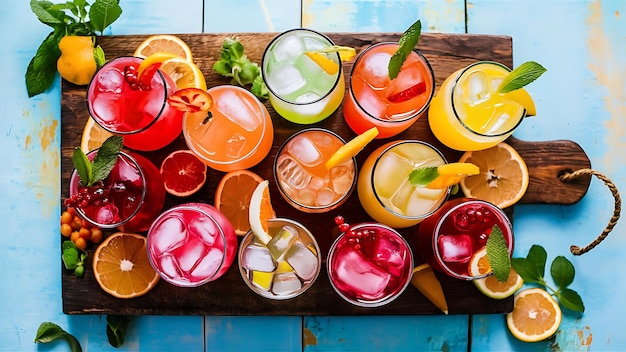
{"x": 233, "y": 195}
{"x": 426, "y": 282}
{"x": 536, "y": 315}
{"x": 503, "y": 178}
{"x": 93, "y": 136}
{"x": 352, "y": 148}
{"x": 490, "y": 286}
{"x": 163, "y": 43}
{"x": 260, "y": 211}
{"x": 191, "y": 100}
{"x": 451, "y": 174}
{"x": 522, "y": 97}
{"x": 183, "y": 173}
{"x": 184, "y": 73}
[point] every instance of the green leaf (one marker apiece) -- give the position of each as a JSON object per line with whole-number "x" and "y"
{"x": 532, "y": 268}
{"x": 49, "y": 332}
{"x": 259, "y": 88}
{"x": 83, "y": 167}
{"x": 98, "y": 56}
{"x": 42, "y": 68}
{"x": 106, "y": 157}
{"x": 571, "y": 300}
{"x": 521, "y": 76}
{"x": 70, "y": 257}
{"x": 406, "y": 44}
{"x": 116, "y": 329}
{"x": 102, "y": 13}
{"x": 498, "y": 254}
{"x": 47, "y": 13}
{"x": 562, "y": 271}
{"x": 538, "y": 256}
{"x": 233, "y": 49}
{"x": 423, "y": 175}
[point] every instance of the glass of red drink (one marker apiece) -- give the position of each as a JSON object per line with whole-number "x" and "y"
{"x": 390, "y": 105}
{"x": 140, "y": 112}
{"x": 191, "y": 244}
{"x": 448, "y": 238}
{"x": 369, "y": 264}
{"x": 129, "y": 198}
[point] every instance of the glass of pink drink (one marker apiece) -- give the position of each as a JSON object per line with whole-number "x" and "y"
{"x": 448, "y": 239}
{"x": 191, "y": 244}
{"x": 139, "y": 112}
{"x": 369, "y": 264}
{"x": 130, "y": 198}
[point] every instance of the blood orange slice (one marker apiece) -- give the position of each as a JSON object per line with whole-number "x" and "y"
{"x": 183, "y": 173}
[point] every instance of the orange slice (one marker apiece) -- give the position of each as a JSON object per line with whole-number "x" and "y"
{"x": 535, "y": 316}
{"x": 232, "y": 197}
{"x": 93, "y": 136}
{"x": 490, "y": 286}
{"x": 352, "y": 148}
{"x": 184, "y": 73}
{"x": 164, "y": 43}
{"x": 121, "y": 266}
{"x": 522, "y": 97}
{"x": 451, "y": 174}
{"x": 154, "y": 59}
{"x": 503, "y": 177}
{"x": 426, "y": 282}
{"x": 260, "y": 211}
{"x": 328, "y": 65}
{"x": 183, "y": 173}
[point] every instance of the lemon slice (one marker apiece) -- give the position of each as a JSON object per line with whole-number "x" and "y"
{"x": 351, "y": 148}
{"x": 328, "y": 65}
{"x": 524, "y": 99}
{"x": 260, "y": 211}
{"x": 451, "y": 174}
{"x": 163, "y": 43}
{"x": 426, "y": 282}
{"x": 536, "y": 315}
{"x": 156, "y": 58}
{"x": 346, "y": 53}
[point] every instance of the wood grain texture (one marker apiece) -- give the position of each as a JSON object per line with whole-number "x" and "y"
{"x": 229, "y": 295}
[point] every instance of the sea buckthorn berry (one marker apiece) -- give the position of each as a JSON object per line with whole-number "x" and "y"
{"x": 74, "y": 236}
{"x": 66, "y": 230}
{"x": 84, "y": 233}
{"x": 66, "y": 217}
{"x": 81, "y": 243}
{"x": 96, "y": 235}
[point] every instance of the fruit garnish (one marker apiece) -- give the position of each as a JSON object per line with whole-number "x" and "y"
{"x": 328, "y": 65}
{"x": 260, "y": 211}
{"x": 93, "y": 135}
{"x": 121, "y": 266}
{"x": 164, "y": 43}
{"x": 234, "y": 63}
{"x": 191, "y": 100}
{"x": 426, "y": 282}
{"x": 153, "y": 62}
{"x": 524, "y": 99}
{"x": 346, "y": 53}
{"x": 233, "y": 195}
{"x": 535, "y": 317}
{"x": 408, "y": 93}
{"x": 503, "y": 178}
{"x": 521, "y": 76}
{"x": 352, "y": 148}
{"x": 407, "y": 42}
{"x": 184, "y": 73}
{"x": 355, "y": 238}
{"x": 91, "y": 171}
{"x": 490, "y": 286}
{"x": 442, "y": 176}
{"x": 183, "y": 173}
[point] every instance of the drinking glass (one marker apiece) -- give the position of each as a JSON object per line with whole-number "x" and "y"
{"x": 467, "y": 114}
{"x": 385, "y": 191}
{"x": 237, "y": 134}
{"x": 390, "y": 105}
{"x": 299, "y": 89}
{"x": 284, "y": 268}
{"x": 129, "y": 198}
{"x": 141, "y": 114}
{"x": 448, "y": 238}
{"x": 370, "y": 264}
{"x": 191, "y": 244}
{"x": 302, "y": 177}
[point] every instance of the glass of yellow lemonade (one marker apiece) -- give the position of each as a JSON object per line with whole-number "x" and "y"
{"x": 468, "y": 113}
{"x": 385, "y": 191}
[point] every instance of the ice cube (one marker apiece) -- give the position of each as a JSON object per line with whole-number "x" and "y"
{"x": 292, "y": 174}
{"x": 169, "y": 234}
{"x": 375, "y": 68}
{"x": 455, "y": 248}
{"x": 126, "y": 173}
{"x": 389, "y": 253}
{"x": 289, "y": 46}
{"x": 409, "y": 78}
{"x": 257, "y": 258}
{"x": 285, "y": 283}
{"x": 285, "y": 80}
{"x": 310, "y": 109}
{"x": 235, "y": 146}
{"x": 402, "y": 196}
{"x": 108, "y": 109}
{"x": 169, "y": 267}
{"x": 307, "y": 98}
{"x": 190, "y": 254}
{"x": 304, "y": 150}
{"x": 392, "y": 171}
{"x": 341, "y": 178}
{"x": 368, "y": 99}
{"x": 110, "y": 80}
{"x": 359, "y": 274}
{"x": 302, "y": 260}
{"x": 208, "y": 265}
{"x": 306, "y": 196}
{"x": 239, "y": 111}
{"x": 423, "y": 201}
{"x": 324, "y": 196}
{"x": 204, "y": 229}
{"x": 107, "y": 214}
{"x": 281, "y": 241}
{"x": 477, "y": 88}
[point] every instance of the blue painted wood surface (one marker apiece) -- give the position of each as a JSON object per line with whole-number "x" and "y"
{"x": 580, "y": 98}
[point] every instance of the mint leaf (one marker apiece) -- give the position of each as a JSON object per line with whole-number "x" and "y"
{"x": 234, "y": 63}
{"x": 49, "y": 332}
{"x": 498, "y": 254}
{"x": 106, "y": 158}
{"x": 521, "y": 76}
{"x": 83, "y": 167}
{"x": 423, "y": 175}
{"x": 102, "y": 13}
{"x": 406, "y": 44}
{"x": 570, "y": 299}
{"x": 42, "y": 68}
{"x": 116, "y": 329}
{"x": 70, "y": 255}
{"x": 562, "y": 271}
{"x": 532, "y": 268}
{"x": 259, "y": 88}
{"x": 47, "y": 13}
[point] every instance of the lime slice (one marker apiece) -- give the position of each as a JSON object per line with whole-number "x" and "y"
{"x": 351, "y": 148}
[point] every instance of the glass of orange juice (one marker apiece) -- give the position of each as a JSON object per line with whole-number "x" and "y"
{"x": 391, "y": 105}
{"x": 385, "y": 191}
{"x": 468, "y": 114}
{"x": 236, "y": 134}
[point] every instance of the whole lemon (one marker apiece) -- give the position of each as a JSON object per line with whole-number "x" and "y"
{"x": 77, "y": 63}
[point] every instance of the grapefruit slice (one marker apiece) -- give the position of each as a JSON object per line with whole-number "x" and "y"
{"x": 183, "y": 173}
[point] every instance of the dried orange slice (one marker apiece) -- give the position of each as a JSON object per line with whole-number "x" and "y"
{"x": 503, "y": 177}
{"x": 121, "y": 266}
{"x": 535, "y": 316}
{"x": 351, "y": 148}
{"x": 163, "y": 43}
{"x": 426, "y": 282}
{"x": 93, "y": 136}
{"x": 490, "y": 286}
{"x": 233, "y": 195}
{"x": 260, "y": 211}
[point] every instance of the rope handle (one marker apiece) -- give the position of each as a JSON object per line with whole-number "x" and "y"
{"x": 616, "y": 212}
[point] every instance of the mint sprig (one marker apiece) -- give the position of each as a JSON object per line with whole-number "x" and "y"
{"x": 406, "y": 44}
{"x": 532, "y": 270}
{"x": 521, "y": 76}
{"x": 498, "y": 254}
{"x": 92, "y": 171}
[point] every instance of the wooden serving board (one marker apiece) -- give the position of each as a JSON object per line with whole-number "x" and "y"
{"x": 229, "y": 295}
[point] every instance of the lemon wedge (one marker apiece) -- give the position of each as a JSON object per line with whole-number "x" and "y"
{"x": 346, "y": 53}
{"x": 426, "y": 282}
{"x": 351, "y": 148}
{"x": 328, "y": 65}
{"x": 524, "y": 99}
{"x": 451, "y": 174}
{"x": 156, "y": 58}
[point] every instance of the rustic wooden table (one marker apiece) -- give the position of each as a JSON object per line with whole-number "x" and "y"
{"x": 580, "y": 98}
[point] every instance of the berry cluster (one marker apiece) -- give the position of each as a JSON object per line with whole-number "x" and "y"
{"x": 354, "y": 237}
{"x": 464, "y": 220}
{"x": 79, "y": 231}
{"x": 95, "y": 195}
{"x": 131, "y": 76}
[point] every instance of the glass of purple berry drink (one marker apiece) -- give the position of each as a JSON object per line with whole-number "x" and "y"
{"x": 449, "y": 238}
{"x": 369, "y": 264}
{"x": 129, "y": 198}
